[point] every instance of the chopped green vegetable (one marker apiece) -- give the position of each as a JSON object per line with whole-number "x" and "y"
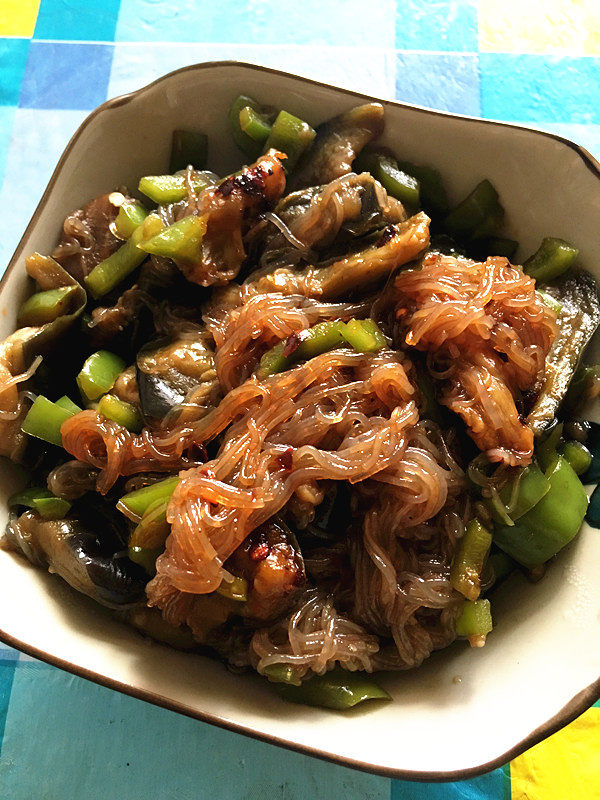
{"x": 547, "y": 448}
{"x": 181, "y": 241}
{"x": 551, "y": 523}
{"x": 474, "y": 213}
{"x": 553, "y": 257}
{"x": 282, "y": 673}
{"x": 165, "y": 189}
{"x": 27, "y": 497}
{"x": 255, "y": 125}
{"x": 43, "y": 307}
{"x": 550, "y": 301}
{"x": 246, "y": 143}
{"x": 364, "y": 335}
{"x": 520, "y": 495}
{"x": 431, "y": 187}
{"x": 471, "y": 552}
{"x": 124, "y": 413}
{"x": 136, "y": 503}
{"x": 384, "y": 168}
{"x": 321, "y": 338}
{"x": 337, "y": 689}
{"x": 475, "y": 618}
{"x": 52, "y": 507}
{"x": 237, "y": 589}
{"x": 131, "y": 215}
{"x": 578, "y": 456}
{"x": 98, "y": 374}
{"x": 290, "y": 135}
{"x": 110, "y": 272}
{"x": 188, "y": 148}
{"x": 41, "y": 500}
{"x": 66, "y": 403}
{"x": 145, "y": 557}
{"x": 44, "y": 420}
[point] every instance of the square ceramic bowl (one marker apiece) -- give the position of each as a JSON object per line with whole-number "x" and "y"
{"x": 464, "y": 711}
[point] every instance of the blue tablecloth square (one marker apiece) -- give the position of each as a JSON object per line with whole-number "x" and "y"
{"x": 13, "y": 57}
{"x": 436, "y": 25}
{"x": 85, "y": 19}
{"x": 66, "y": 75}
{"x": 540, "y": 88}
{"x": 446, "y": 81}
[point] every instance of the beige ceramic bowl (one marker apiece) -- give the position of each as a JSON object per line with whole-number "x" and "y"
{"x": 465, "y": 711}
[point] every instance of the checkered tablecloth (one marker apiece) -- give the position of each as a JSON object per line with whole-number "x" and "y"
{"x": 529, "y": 61}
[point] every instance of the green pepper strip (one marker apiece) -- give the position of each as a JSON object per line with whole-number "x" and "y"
{"x": 237, "y": 589}
{"x": 553, "y": 257}
{"x": 43, "y": 307}
{"x": 98, "y": 374}
{"x": 181, "y": 241}
{"x": 188, "y": 148}
{"x": 44, "y": 420}
{"x": 530, "y": 485}
{"x": 255, "y": 125}
{"x": 384, "y": 168}
{"x": 246, "y": 143}
{"x": 547, "y": 449}
{"x": 337, "y": 689}
{"x": 134, "y": 504}
{"x": 41, "y": 500}
{"x": 551, "y": 524}
{"x": 292, "y": 136}
{"x": 114, "y": 269}
{"x": 131, "y": 215}
{"x": 578, "y": 456}
{"x": 475, "y": 618}
{"x": 165, "y": 189}
{"x": 471, "y": 552}
{"x": 472, "y": 215}
{"x": 431, "y": 187}
{"x": 125, "y": 414}
{"x": 364, "y": 335}
{"x": 282, "y": 673}
{"x": 550, "y": 301}
{"x": 66, "y": 403}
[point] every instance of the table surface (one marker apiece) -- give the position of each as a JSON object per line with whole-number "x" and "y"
{"x": 535, "y": 62}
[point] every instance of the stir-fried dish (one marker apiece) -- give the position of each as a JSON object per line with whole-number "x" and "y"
{"x": 304, "y": 416}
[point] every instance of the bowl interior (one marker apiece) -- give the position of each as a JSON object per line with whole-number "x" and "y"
{"x": 464, "y": 709}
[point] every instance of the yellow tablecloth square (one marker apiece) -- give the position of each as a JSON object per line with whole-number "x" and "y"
{"x": 567, "y": 765}
{"x": 17, "y": 17}
{"x": 540, "y": 26}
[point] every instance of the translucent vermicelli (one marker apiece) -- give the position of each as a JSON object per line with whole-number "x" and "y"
{"x": 284, "y": 426}
{"x": 493, "y": 333}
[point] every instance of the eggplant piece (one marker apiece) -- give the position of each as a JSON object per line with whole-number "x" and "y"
{"x": 271, "y": 561}
{"x": 19, "y": 351}
{"x": 92, "y": 564}
{"x": 169, "y": 369}
{"x": 87, "y": 236}
{"x": 577, "y": 321}
{"x": 337, "y": 144}
{"x": 397, "y": 245}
